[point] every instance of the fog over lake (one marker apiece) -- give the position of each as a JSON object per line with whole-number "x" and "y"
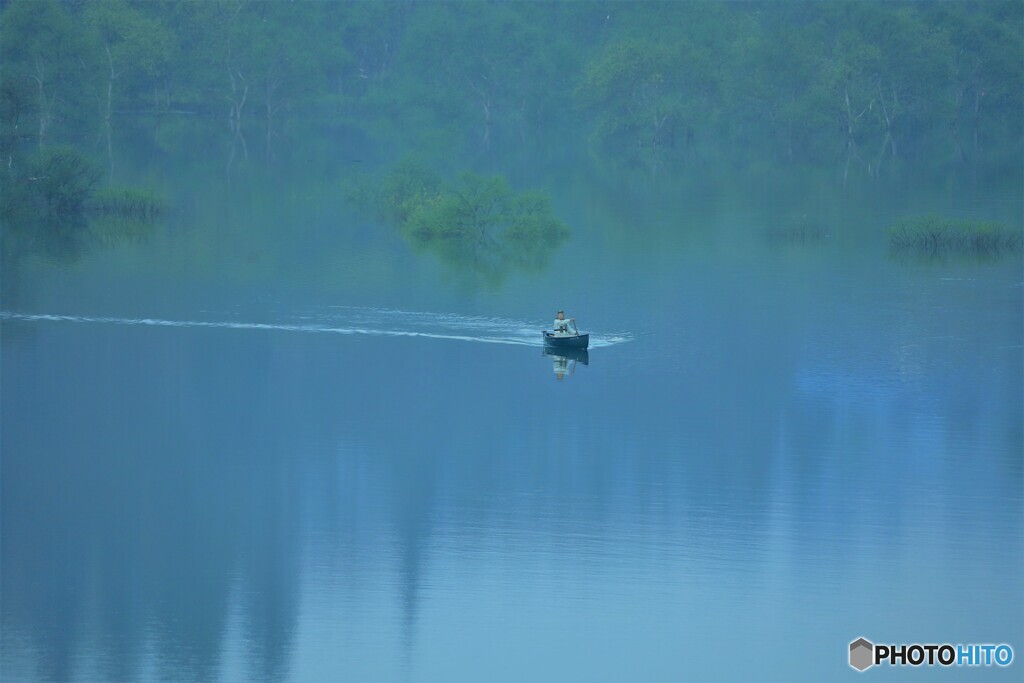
{"x": 274, "y": 399}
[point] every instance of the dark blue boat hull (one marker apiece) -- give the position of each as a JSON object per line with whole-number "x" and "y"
{"x": 578, "y": 341}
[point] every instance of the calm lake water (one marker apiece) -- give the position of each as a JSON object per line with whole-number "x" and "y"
{"x": 269, "y": 441}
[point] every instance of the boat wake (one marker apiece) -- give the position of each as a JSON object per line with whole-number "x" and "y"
{"x": 347, "y": 320}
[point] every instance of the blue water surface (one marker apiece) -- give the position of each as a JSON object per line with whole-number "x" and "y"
{"x": 343, "y": 461}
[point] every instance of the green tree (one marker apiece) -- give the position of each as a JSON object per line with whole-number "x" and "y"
{"x": 629, "y": 87}
{"x": 657, "y": 83}
{"x": 985, "y": 94}
{"x": 192, "y": 74}
{"x": 282, "y": 51}
{"x": 775, "y": 92}
{"x": 43, "y": 46}
{"x": 885, "y": 77}
{"x": 56, "y": 182}
{"x": 487, "y": 68}
{"x": 136, "y": 50}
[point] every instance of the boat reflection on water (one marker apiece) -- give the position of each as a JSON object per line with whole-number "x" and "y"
{"x": 566, "y": 359}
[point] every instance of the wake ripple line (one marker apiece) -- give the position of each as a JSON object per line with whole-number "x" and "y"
{"x": 6, "y": 315}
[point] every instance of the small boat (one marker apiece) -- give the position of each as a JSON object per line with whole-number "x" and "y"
{"x": 572, "y": 341}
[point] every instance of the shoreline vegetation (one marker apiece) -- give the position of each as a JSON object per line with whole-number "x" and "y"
{"x": 856, "y": 91}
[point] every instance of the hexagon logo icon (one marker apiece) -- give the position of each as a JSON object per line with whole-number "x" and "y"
{"x": 861, "y": 654}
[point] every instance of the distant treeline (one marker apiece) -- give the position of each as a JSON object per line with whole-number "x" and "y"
{"x": 861, "y": 82}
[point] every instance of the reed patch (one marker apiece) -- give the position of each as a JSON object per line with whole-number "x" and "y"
{"x": 931, "y": 235}
{"x": 126, "y": 202}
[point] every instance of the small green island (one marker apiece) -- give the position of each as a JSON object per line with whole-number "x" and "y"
{"x": 476, "y": 225}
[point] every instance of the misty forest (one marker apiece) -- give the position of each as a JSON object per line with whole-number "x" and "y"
{"x": 275, "y": 402}
{"x": 666, "y": 89}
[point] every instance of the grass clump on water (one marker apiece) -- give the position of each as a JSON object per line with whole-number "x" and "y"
{"x": 934, "y": 235}
{"x": 126, "y": 202}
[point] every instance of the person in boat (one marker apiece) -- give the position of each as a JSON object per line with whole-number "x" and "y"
{"x": 561, "y": 327}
